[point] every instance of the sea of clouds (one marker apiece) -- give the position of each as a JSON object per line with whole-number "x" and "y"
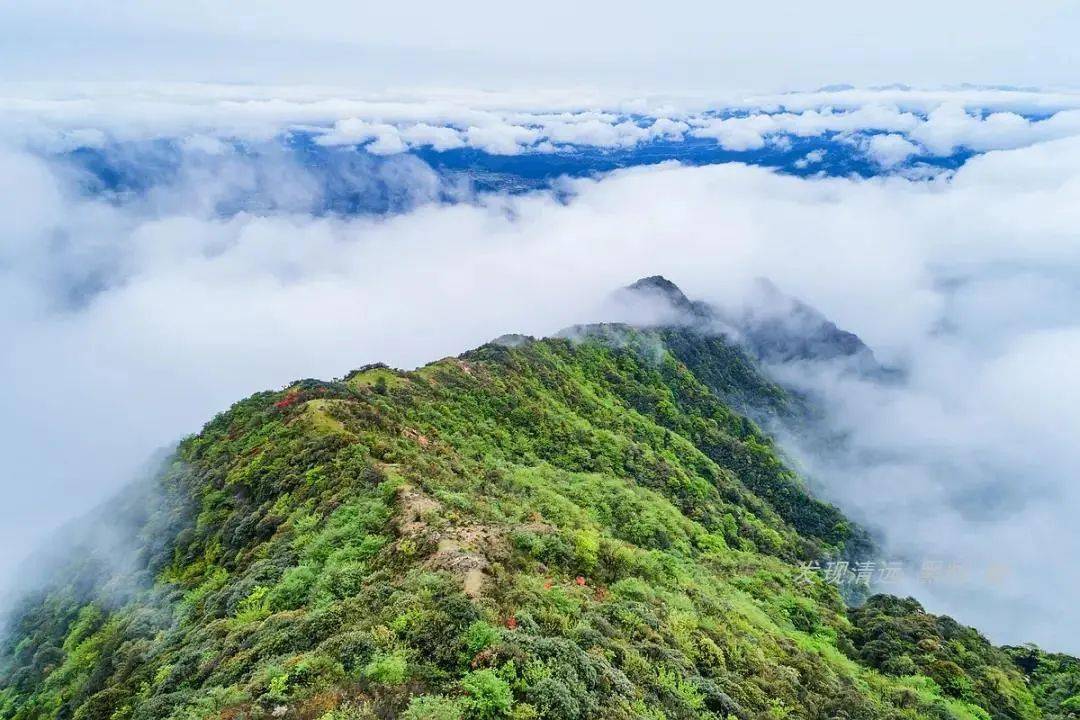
{"x": 133, "y": 311}
{"x": 901, "y": 122}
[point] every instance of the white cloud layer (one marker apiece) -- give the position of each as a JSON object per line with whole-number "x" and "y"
{"x": 890, "y": 150}
{"x": 129, "y": 324}
{"x": 932, "y": 123}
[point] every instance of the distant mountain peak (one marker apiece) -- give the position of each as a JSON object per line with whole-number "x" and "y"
{"x": 773, "y": 326}
{"x": 663, "y": 303}
{"x": 660, "y": 285}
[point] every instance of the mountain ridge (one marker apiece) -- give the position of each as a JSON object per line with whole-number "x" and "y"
{"x": 569, "y": 527}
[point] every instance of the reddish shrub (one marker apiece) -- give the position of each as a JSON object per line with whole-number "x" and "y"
{"x": 290, "y": 399}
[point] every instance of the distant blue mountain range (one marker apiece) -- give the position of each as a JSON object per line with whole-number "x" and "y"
{"x": 350, "y": 180}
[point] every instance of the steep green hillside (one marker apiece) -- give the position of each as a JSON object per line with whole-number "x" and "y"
{"x": 562, "y": 528}
{"x": 1054, "y": 679}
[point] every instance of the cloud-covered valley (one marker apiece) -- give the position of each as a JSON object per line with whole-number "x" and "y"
{"x": 934, "y": 124}
{"x": 164, "y": 256}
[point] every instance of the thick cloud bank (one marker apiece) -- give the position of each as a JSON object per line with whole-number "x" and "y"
{"x": 131, "y": 316}
{"x": 887, "y": 127}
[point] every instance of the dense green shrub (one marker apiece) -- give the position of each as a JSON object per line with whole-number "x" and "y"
{"x": 432, "y": 707}
{"x": 389, "y": 669}
{"x": 487, "y": 696}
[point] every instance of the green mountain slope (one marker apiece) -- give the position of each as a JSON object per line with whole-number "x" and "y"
{"x": 558, "y": 528}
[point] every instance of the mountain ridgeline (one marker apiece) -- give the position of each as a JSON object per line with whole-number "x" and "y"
{"x": 586, "y": 526}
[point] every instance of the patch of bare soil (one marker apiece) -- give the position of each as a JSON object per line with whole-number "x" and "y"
{"x": 467, "y": 551}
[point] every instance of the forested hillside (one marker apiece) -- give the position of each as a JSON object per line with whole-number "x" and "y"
{"x": 580, "y": 527}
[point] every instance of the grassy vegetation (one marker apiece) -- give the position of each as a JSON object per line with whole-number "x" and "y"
{"x": 561, "y": 529}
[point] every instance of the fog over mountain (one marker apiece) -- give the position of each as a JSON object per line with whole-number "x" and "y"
{"x": 155, "y": 269}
